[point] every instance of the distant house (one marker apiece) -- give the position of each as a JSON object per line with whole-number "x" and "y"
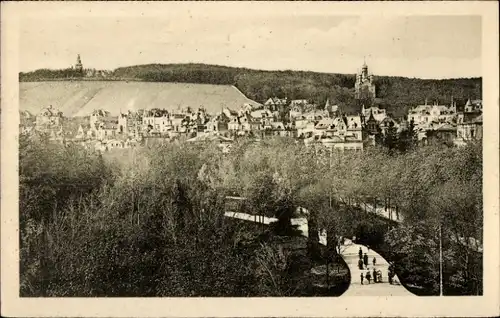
{"x": 443, "y": 133}
{"x": 49, "y": 118}
{"x": 84, "y": 132}
{"x": 473, "y": 106}
{"x": 97, "y": 115}
{"x": 332, "y": 110}
{"x": 261, "y": 114}
{"x": 218, "y": 124}
{"x": 26, "y": 122}
{"x": 107, "y": 128}
{"x": 130, "y": 124}
{"x": 229, "y": 113}
{"x": 371, "y": 124}
{"x": 379, "y": 114}
{"x": 157, "y": 121}
{"x": 123, "y": 125}
{"x": 304, "y": 127}
{"x": 339, "y": 133}
{"x": 315, "y": 115}
{"x": 234, "y": 124}
{"x": 469, "y": 127}
{"x": 354, "y": 128}
{"x": 275, "y": 103}
{"x": 248, "y": 123}
{"x": 422, "y": 115}
{"x": 323, "y": 124}
{"x": 298, "y": 106}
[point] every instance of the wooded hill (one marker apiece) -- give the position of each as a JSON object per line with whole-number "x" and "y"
{"x": 396, "y": 94}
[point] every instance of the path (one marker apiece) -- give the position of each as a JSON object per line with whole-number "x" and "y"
{"x": 349, "y": 253}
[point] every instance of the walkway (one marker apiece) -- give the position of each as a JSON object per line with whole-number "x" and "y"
{"x": 349, "y": 253}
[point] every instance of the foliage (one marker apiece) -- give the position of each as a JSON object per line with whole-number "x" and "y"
{"x": 49, "y": 74}
{"x": 158, "y": 221}
{"x": 396, "y": 94}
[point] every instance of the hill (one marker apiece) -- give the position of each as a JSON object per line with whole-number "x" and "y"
{"x": 80, "y": 98}
{"x": 396, "y": 94}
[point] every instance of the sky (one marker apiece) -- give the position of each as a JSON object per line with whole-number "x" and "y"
{"x": 412, "y": 46}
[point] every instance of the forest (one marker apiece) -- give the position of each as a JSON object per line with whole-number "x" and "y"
{"x": 155, "y": 217}
{"x": 396, "y": 94}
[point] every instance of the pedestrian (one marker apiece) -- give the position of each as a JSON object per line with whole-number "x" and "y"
{"x": 374, "y": 275}
{"x": 360, "y": 264}
{"x": 374, "y": 261}
{"x": 390, "y": 277}
{"x": 365, "y": 259}
{"x": 362, "y": 278}
{"x": 360, "y": 253}
{"x": 368, "y": 277}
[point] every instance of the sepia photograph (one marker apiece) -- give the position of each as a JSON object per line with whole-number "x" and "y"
{"x": 196, "y": 152}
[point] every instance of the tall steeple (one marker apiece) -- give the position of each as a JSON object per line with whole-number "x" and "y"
{"x": 79, "y": 65}
{"x": 364, "y": 68}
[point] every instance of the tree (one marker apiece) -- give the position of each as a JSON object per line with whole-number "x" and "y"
{"x": 390, "y": 139}
{"x": 408, "y": 138}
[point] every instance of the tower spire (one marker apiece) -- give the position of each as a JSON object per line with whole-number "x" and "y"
{"x": 79, "y": 65}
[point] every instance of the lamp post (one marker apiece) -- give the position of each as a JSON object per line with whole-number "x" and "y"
{"x": 440, "y": 261}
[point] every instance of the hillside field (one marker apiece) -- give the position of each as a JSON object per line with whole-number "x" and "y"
{"x": 80, "y": 98}
{"x": 170, "y": 85}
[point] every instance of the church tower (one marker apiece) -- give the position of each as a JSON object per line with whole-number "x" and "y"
{"x": 364, "y": 86}
{"x": 79, "y": 65}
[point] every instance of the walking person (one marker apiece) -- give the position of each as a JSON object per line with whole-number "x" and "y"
{"x": 374, "y": 275}
{"x": 360, "y": 264}
{"x": 374, "y": 261}
{"x": 362, "y": 278}
{"x": 365, "y": 259}
{"x": 360, "y": 253}
{"x": 368, "y": 277}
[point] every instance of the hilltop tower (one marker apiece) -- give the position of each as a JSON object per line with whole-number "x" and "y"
{"x": 364, "y": 86}
{"x": 79, "y": 65}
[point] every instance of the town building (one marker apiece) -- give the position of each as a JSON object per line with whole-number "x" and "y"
{"x": 473, "y": 106}
{"x": 339, "y": 133}
{"x": 332, "y": 110}
{"x": 371, "y": 124}
{"x": 469, "y": 127}
{"x": 364, "y": 86}
{"x": 218, "y": 124}
{"x": 379, "y": 114}
{"x": 49, "y": 118}
{"x": 275, "y": 103}
{"x": 97, "y": 115}
{"x": 422, "y": 115}
{"x": 444, "y": 133}
{"x": 107, "y": 128}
